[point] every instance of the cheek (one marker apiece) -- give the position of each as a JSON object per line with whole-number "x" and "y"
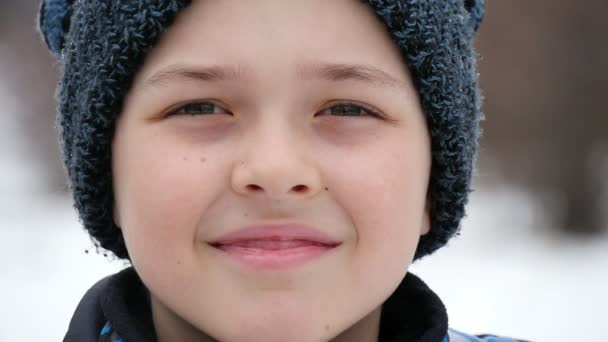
{"x": 385, "y": 197}
{"x": 162, "y": 189}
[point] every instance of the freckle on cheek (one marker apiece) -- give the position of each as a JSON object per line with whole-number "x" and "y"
{"x": 203, "y": 159}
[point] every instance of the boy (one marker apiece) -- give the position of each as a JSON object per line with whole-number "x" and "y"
{"x": 269, "y": 168}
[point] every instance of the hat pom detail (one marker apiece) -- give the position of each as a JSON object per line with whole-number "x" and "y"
{"x": 476, "y": 9}
{"x": 54, "y": 23}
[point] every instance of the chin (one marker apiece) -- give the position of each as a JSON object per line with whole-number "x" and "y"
{"x": 307, "y": 328}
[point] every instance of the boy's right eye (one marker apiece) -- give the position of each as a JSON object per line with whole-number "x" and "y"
{"x": 198, "y": 108}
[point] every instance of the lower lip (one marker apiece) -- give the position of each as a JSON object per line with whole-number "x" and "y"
{"x": 274, "y": 259}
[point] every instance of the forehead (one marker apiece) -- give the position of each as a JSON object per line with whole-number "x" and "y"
{"x": 267, "y": 38}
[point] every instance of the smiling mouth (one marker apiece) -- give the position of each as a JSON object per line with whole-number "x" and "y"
{"x": 274, "y": 254}
{"x": 271, "y": 244}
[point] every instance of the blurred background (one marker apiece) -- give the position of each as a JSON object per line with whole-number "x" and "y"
{"x": 532, "y": 259}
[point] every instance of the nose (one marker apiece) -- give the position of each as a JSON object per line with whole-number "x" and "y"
{"x": 277, "y": 167}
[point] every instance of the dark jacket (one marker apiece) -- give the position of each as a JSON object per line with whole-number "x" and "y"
{"x": 117, "y": 309}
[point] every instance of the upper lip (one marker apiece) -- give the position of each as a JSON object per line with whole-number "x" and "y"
{"x": 281, "y": 232}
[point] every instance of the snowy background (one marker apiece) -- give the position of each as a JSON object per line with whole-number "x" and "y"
{"x": 532, "y": 261}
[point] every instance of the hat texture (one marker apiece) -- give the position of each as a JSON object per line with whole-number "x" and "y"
{"x": 101, "y": 44}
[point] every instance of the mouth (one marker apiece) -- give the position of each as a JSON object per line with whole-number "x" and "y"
{"x": 273, "y": 243}
{"x": 274, "y": 253}
{"x": 274, "y": 246}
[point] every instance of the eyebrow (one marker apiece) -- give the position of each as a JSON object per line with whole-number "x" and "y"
{"x": 333, "y": 72}
{"x": 214, "y": 73}
{"x": 349, "y": 72}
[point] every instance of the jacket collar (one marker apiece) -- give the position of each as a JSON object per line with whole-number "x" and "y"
{"x": 412, "y": 313}
{"x": 120, "y": 299}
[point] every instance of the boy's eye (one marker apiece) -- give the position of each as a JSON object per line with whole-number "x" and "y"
{"x": 199, "y": 108}
{"x": 351, "y": 109}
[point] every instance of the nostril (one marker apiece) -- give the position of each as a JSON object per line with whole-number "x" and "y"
{"x": 254, "y": 187}
{"x": 300, "y": 188}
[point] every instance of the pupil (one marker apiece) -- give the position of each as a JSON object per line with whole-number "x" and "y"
{"x": 346, "y": 109}
{"x": 195, "y": 108}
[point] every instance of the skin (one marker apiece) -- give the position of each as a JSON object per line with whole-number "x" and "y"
{"x": 273, "y": 149}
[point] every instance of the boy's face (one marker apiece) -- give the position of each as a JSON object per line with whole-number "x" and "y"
{"x": 277, "y": 142}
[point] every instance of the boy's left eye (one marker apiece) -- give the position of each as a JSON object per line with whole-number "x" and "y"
{"x": 198, "y": 108}
{"x": 351, "y": 109}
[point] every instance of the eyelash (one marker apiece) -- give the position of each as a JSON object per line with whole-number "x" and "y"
{"x": 199, "y": 104}
{"x": 371, "y": 112}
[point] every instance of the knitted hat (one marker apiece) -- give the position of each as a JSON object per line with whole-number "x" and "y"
{"x": 101, "y": 44}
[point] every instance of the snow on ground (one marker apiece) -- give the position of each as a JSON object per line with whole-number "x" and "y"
{"x": 500, "y": 276}
{"x": 507, "y": 275}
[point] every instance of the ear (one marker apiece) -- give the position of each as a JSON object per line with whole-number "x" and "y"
{"x": 426, "y": 217}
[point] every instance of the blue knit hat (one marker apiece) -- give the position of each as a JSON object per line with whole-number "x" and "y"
{"x": 101, "y": 44}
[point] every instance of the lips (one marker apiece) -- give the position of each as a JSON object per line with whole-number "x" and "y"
{"x": 272, "y": 247}
{"x": 272, "y": 243}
